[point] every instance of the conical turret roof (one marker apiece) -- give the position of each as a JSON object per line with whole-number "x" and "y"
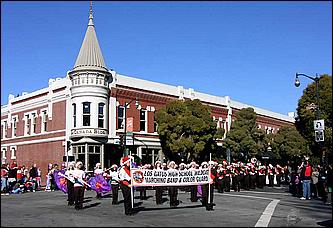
{"x": 90, "y": 56}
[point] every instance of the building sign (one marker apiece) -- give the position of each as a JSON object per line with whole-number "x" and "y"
{"x": 129, "y": 124}
{"x": 89, "y": 131}
{"x": 318, "y": 125}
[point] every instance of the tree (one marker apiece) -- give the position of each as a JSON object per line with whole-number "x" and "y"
{"x": 306, "y": 114}
{"x": 187, "y": 130}
{"x": 244, "y": 139}
{"x": 289, "y": 143}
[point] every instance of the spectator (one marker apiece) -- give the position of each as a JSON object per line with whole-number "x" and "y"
{"x": 12, "y": 173}
{"x": 314, "y": 182}
{"x": 33, "y": 173}
{"x": 4, "y": 178}
{"x": 48, "y": 177}
{"x": 306, "y": 171}
{"x": 329, "y": 184}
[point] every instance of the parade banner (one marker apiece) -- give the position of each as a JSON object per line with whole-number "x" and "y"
{"x": 154, "y": 177}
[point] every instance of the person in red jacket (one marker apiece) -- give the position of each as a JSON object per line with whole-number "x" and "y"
{"x": 125, "y": 184}
{"x": 306, "y": 172}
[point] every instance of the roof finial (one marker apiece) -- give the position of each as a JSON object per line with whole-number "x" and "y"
{"x": 91, "y": 15}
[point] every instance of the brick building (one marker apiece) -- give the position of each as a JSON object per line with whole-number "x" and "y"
{"x": 81, "y": 115}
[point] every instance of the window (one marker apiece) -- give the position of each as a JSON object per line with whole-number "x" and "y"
{"x": 86, "y": 113}
{"x": 143, "y": 119}
{"x": 13, "y": 150}
{"x": 101, "y": 115}
{"x": 74, "y": 115}
{"x": 34, "y": 123}
{"x": 44, "y": 120}
{"x": 5, "y": 128}
{"x": 14, "y": 129}
{"x": 4, "y": 153}
{"x": 27, "y": 125}
{"x": 155, "y": 123}
{"x": 94, "y": 149}
{"x": 121, "y": 117}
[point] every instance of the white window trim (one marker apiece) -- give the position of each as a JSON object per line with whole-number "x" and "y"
{"x": 32, "y": 128}
{"x": 14, "y": 122}
{"x": 13, "y": 152}
{"x": 146, "y": 120}
{"x": 121, "y": 127}
{"x": 85, "y": 114}
{"x": 74, "y": 122}
{"x": 26, "y": 118}
{"x": 4, "y": 123}
{"x": 3, "y": 151}
{"x": 104, "y": 110}
{"x": 41, "y": 114}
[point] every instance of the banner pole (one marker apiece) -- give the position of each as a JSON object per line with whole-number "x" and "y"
{"x": 210, "y": 158}
{"x": 132, "y": 197}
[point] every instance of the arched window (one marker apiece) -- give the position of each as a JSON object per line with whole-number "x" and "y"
{"x": 86, "y": 114}
{"x": 101, "y": 115}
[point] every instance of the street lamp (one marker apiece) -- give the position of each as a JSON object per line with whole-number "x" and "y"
{"x": 137, "y": 105}
{"x": 317, "y": 114}
{"x": 316, "y": 79}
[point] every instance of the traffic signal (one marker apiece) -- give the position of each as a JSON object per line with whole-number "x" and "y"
{"x": 319, "y": 136}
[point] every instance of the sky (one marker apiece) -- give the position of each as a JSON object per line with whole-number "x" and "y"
{"x": 249, "y": 51}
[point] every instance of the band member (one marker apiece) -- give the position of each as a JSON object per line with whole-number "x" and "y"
{"x": 158, "y": 189}
{"x": 235, "y": 179}
{"x": 193, "y": 188}
{"x": 78, "y": 175}
{"x": 125, "y": 184}
{"x": 70, "y": 184}
{"x": 206, "y": 194}
{"x": 98, "y": 171}
{"x": 278, "y": 174}
{"x": 173, "y": 190}
{"x": 247, "y": 177}
{"x": 114, "y": 183}
{"x": 270, "y": 175}
{"x": 262, "y": 176}
{"x": 253, "y": 177}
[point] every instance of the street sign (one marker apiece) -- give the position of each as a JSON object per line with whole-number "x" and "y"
{"x": 319, "y": 135}
{"x": 318, "y": 125}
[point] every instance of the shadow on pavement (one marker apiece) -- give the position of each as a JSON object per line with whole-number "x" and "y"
{"x": 91, "y": 205}
{"x": 327, "y": 223}
{"x": 138, "y": 209}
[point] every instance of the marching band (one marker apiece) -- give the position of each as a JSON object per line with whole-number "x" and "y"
{"x": 225, "y": 176}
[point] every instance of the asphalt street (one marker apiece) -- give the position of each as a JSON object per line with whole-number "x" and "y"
{"x": 270, "y": 207}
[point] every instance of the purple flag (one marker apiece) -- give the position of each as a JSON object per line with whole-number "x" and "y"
{"x": 99, "y": 184}
{"x": 199, "y": 191}
{"x": 60, "y": 181}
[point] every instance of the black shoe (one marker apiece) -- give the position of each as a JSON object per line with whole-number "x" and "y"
{"x": 129, "y": 213}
